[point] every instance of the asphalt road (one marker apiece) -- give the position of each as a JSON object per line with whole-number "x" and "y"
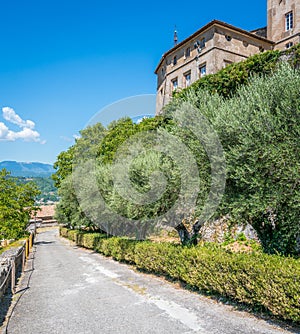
{"x": 71, "y": 290}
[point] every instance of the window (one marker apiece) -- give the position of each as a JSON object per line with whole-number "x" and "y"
{"x": 175, "y": 60}
{"x": 174, "y": 84}
{"x": 187, "y": 52}
{"x": 289, "y": 21}
{"x": 228, "y": 38}
{"x": 202, "y": 43}
{"x": 202, "y": 70}
{"x": 187, "y": 79}
{"x": 289, "y": 45}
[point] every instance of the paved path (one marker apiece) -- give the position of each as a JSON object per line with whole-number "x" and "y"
{"x": 74, "y": 291}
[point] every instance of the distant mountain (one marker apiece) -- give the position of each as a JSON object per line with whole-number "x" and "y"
{"x": 27, "y": 169}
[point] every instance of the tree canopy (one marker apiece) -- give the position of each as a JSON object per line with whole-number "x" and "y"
{"x": 16, "y": 205}
{"x": 127, "y": 179}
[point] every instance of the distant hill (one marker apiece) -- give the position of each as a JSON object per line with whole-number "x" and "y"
{"x": 27, "y": 169}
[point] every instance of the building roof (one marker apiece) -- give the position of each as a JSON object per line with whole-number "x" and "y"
{"x": 206, "y": 27}
{"x": 44, "y": 212}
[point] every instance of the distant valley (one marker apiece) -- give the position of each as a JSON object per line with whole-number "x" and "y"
{"x": 36, "y": 172}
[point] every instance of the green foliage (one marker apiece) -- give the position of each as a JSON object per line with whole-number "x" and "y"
{"x": 121, "y": 130}
{"x": 293, "y": 54}
{"x": 63, "y": 165}
{"x": 87, "y": 146}
{"x": 121, "y": 249}
{"x": 68, "y": 210}
{"x": 118, "y": 132}
{"x": 264, "y": 162}
{"x": 16, "y": 205}
{"x": 226, "y": 81}
{"x": 102, "y": 152}
{"x": 228, "y": 239}
{"x": 91, "y": 240}
{"x": 241, "y": 237}
{"x": 142, "y": 170}
{"x": 63, "y": 231}
{"x": 47, "y": 189}
{"x": 259, "y": 129}
{"x": 48, "y": 192}
{"x": 266, "y": 282}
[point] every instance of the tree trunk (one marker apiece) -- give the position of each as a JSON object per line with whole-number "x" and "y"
{"x": 187, "y": 238}
{"x": 183, "y": 234}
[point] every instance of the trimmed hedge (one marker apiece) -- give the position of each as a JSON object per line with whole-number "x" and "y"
{"x": 266, "y": 282}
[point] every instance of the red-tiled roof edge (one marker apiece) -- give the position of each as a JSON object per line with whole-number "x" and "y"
{"x": 45, "y": 211}
{"x": 207, "y": 26}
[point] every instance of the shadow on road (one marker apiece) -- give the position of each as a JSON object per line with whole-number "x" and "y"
{"x": 44, "y": 242}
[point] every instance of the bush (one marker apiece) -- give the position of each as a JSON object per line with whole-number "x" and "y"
{"x": 82, "y": 238}
{"x": 63, "y": 231}
{"x": 73, "y": 235}
{"x": 91, "y": 240}
{"x": 121, "y": 249}
{"x": 266, "y": 282}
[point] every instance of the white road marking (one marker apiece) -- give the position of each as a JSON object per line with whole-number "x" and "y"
{"x": 74, "y": 290}
{"x": 90, "y": 279}
{"x": 96, "y": 267}
{"x": 175, "y": 311}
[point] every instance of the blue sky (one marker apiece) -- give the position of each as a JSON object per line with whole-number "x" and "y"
{"x": 63, "y": 61}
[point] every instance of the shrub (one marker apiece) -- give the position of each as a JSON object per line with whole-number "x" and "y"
{"x": 266, "y": 282}
{"x": 73, "y": 235}
{"x": 92, "y": 240}
{"x": 63, "y": 231}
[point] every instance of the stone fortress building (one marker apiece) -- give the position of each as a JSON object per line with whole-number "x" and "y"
{"x": 219, "y": 44}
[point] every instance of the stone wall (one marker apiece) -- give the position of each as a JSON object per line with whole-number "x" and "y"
{"x": 221, "y": 229}
{"x": 276, "y": 30}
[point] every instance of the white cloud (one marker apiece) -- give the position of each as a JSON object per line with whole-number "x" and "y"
{"x": 27, "y": 132}
{"x": 10, "y": 115}
{"x": 3, "y": 130}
